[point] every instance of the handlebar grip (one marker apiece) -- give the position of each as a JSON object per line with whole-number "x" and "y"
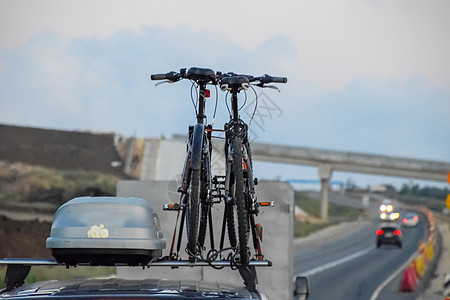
{"x": 158, "y": 77}
{"x": 279, "y": 79}
{"x": 169, "y": 76}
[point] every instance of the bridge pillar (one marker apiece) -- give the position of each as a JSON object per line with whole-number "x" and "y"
{"x": 325, "y": 171}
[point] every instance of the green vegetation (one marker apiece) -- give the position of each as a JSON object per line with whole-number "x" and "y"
{"x": 337, "y": 213}
{"x": 43, "y": 273}
{"x": 35, "y": 188}
{"x": 414, "y": 190}
{"x": 307, "y": 203}
{"x": 312, "y": 206}
{"x": 302, "y": 229}
{"x": 413, "y": 194}
{"x": 21, "y": 183}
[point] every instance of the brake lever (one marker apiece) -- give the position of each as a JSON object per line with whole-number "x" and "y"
{"x": 165, "y": 81}
{"x": 261, "y": 85}
{"x": 273, "y": 87}
{"x": 168, "y": 81}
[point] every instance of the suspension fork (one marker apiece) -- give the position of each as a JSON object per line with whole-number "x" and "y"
{"x": 248, "y": 164}
{"x": 207, "y": 162}
{"x": 208, "y": 174}
{"x": 228, "y": 159}
{"x": 187, "y": 163}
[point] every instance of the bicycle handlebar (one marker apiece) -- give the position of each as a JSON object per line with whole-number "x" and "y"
{"x": 195, "y": 74}
{"x": 264, "y": 79}
{"x": 214, "y": 78}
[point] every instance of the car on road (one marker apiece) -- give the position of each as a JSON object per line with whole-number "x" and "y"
{"x": 392, "y": 216}
{"x": 386, "y": 206}
{"x": 410, "y": 219}
{"x": 389, "y": 233}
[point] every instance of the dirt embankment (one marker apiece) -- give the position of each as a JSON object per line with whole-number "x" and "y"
{"x": 23, "y": 230}
{"x": 24, "y": 239}
{"x": 64, "y": 150}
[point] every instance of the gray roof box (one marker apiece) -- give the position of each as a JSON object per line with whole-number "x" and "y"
{"x": 106, "y": 231}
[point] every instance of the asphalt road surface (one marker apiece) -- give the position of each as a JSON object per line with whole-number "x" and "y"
{"x": 353, "y": 268}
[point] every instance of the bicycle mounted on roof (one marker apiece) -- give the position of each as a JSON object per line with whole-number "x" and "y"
{"x": 196, "y": 175}
{"x": 200, "y": 190}
{"x": 241, "y": 206}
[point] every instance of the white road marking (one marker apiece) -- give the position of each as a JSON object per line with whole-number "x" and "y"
{"x": 393, "y": 275}
{"x": 335, "y": 263}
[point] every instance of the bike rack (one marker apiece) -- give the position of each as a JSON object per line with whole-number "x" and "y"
{"x": 18, "y": 268}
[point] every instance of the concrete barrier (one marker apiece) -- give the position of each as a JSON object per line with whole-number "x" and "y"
{"x": 277, "y": 246}
{"x": 409, "y": 280}
{"x": 423, "y": 258}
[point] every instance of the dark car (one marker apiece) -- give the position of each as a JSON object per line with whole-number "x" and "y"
{"x": 389, "y": 233}
{"x": 129, "y": 289}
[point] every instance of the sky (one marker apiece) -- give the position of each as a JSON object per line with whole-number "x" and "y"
{"x": 370, "y": 76}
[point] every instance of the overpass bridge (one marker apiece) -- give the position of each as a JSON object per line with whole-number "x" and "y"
{"x": 353, "y": 162}
{"x": 328, "y": 161}
{"x": 162, "y": 160}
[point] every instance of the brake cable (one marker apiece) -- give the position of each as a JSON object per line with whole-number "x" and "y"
{"x": 192, "y": 98}
{"x": 215, "y": 107}
{"x": 256, "y": 106}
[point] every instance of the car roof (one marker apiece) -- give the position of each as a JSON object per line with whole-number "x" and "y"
{"x": 391, "y": 224}
{"x": 410, "y": 214}
{"x": 146, "y": 288}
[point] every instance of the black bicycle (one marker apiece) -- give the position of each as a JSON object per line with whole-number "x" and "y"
{"x": 196, "y": 175}
{"x": 241, "y": 205}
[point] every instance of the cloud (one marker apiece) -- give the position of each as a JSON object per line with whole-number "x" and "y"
{"x": 102, "y": 84}
{"x": 335, "y": 41}
{"x": 392, "y": 117}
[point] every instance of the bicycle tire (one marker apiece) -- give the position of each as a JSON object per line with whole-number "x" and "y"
{"x": 229, "y": 207}
{"x": 204, "y": 212}
{"x": 230, "y": 225}
{"x": 240, "y": 201}
{"x": 193, "y": 212}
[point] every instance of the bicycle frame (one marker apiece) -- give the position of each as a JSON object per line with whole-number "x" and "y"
{"x": 237, "y": 187}
{"x": 198, "y": 158}
{"x": 236, "y": 129}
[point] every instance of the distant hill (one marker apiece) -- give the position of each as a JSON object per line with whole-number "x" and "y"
{"x": 64, "y": 150}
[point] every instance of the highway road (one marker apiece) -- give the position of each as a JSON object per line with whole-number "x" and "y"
{"x": 353, "y": 268}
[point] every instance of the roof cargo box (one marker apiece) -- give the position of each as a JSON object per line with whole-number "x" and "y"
{"x": 106, "y": 231}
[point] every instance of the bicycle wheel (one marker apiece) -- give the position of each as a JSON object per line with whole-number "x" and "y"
{"x": 193, "y": 212}
{"x": 240, "y": 206}
{"x": 204, "y": 212}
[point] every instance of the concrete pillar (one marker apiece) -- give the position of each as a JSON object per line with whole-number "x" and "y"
{"x": 325, "y": 172}
{"x": 324, "y": 202}
{"x": 130, "y": 153}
